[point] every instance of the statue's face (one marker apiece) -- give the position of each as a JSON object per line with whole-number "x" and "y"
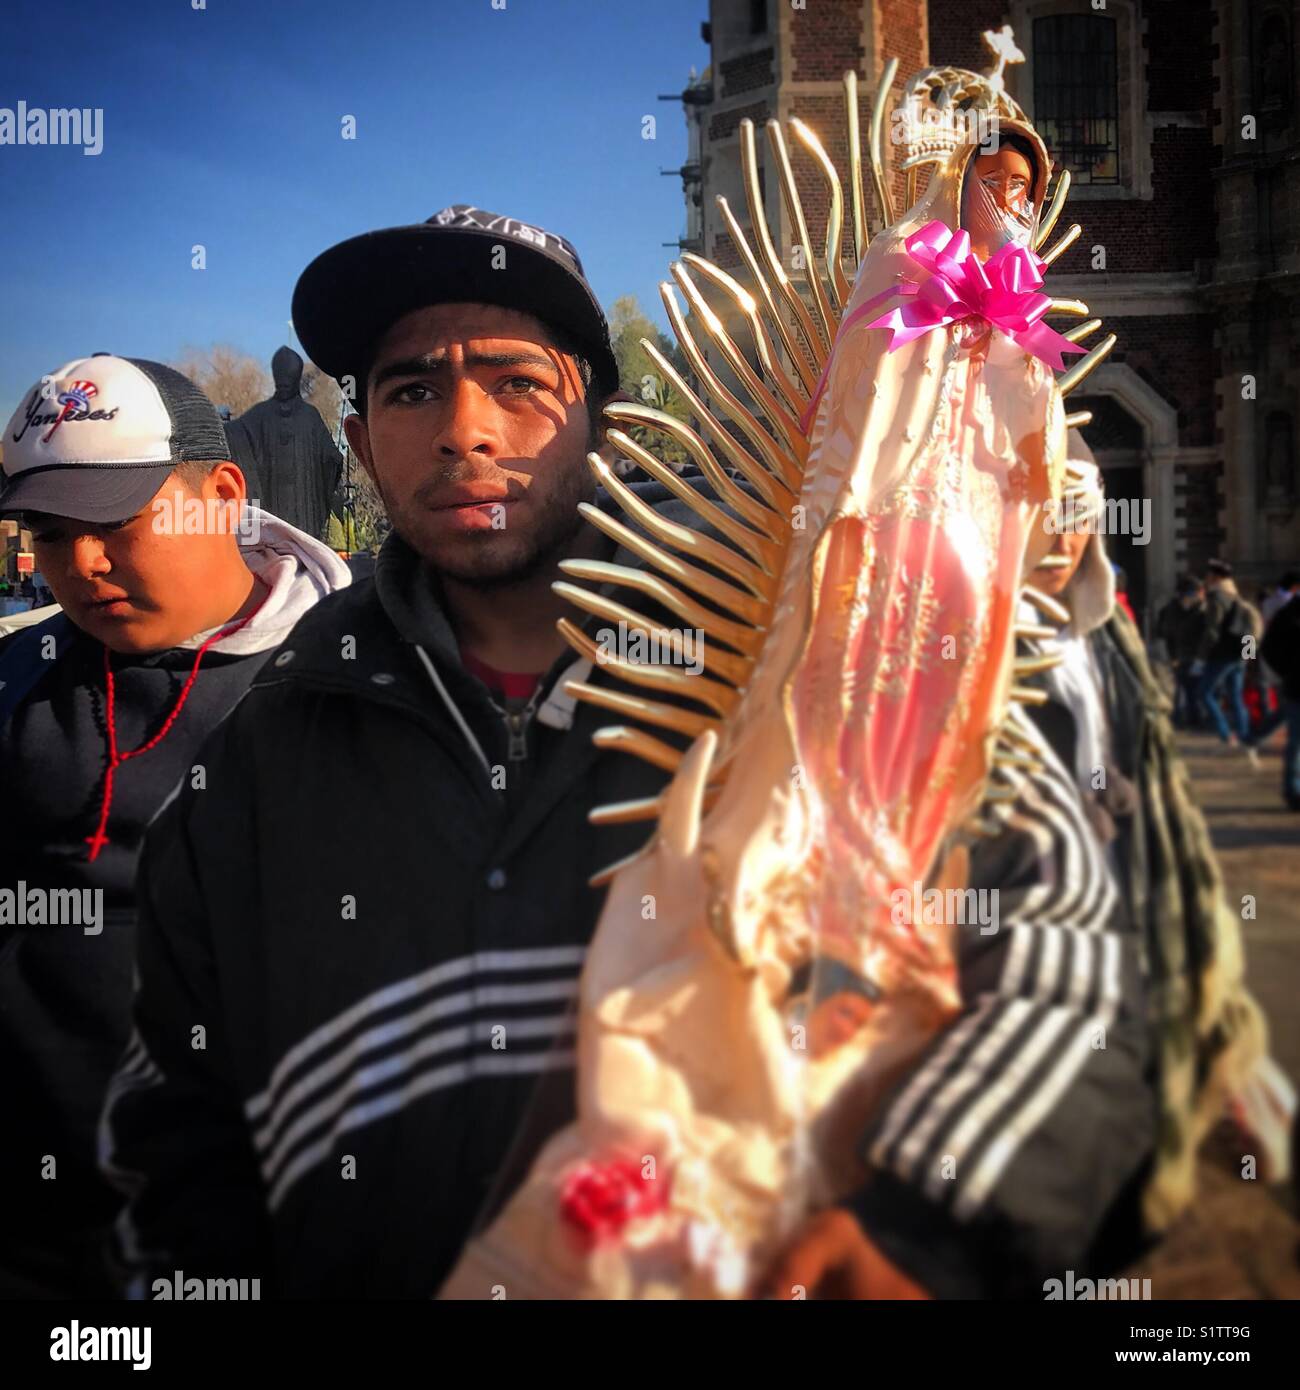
{"x": 1007, "y": 176}
{"x": 476, "y": 433}
{"x": 286, "y": 372}
{"x": 997, "y": 207}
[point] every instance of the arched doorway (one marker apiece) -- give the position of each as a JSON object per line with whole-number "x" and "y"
{"x": 1118, "y": 443}
{"x": 1134, "y": 434}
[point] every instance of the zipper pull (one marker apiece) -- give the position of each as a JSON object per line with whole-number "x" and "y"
{"x": 517, "y": 735}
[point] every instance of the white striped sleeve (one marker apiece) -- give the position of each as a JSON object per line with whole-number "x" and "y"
{"x": 1003, "y": 1114}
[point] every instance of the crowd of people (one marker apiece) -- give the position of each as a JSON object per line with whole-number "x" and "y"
{"x": 1234, "y": 667}
{"x": 341, "y": 833}
{"x": 26, "y": 592}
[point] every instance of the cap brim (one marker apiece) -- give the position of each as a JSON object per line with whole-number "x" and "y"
{"x": 354, "y": 292}
{"x": 84, "y": 493}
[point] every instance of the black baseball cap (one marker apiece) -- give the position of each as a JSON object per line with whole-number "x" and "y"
{"x": 350, "y": 295}
{"x": 95, "y": 438}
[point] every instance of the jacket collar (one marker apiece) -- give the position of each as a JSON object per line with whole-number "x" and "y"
{"x": 408, "y": 593}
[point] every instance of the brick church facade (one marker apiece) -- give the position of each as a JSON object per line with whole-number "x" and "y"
{"x": 1180, "y": 120}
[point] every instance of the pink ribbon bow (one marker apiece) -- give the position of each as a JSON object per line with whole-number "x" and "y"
{"x": 1002, "y": 291}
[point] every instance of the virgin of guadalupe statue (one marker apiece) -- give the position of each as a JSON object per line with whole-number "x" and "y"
{"x": 760, "y": 977}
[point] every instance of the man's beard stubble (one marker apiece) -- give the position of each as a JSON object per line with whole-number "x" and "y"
{"x": 479, "y": 560}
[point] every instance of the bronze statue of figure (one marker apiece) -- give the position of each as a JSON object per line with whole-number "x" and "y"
{"x": 293, "y": 458}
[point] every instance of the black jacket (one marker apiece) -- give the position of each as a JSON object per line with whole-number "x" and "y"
{"x": 1228, "y": 618}
{"x": 65, "y": 990}
{"x": 1181, "y": 629}
{"x": 1281, "y": 647}
{"x": 358, "y": 956}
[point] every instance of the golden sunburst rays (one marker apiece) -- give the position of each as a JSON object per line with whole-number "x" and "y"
{"x": 1014, "y": 755}
{"x": 762, "y": 549}
{"x": 1069, "y": 379}
{"x": 745, "y": 436}
{"x": 782, "y": 420}
{"x": 741, "y": 637}
{"x": 1068, "y": 240}
{"x": 791, "y": 393}
{"x": 666, "y": 680}
{"x": 1012, "y": 750}
{"x": 1054, "y": 207}
{"x": 806, "y": 375}
{"x": 1034, "y": 665}
{"x": 824, "y": 319}
{"x": 836, "y": 281}
{"x": 644, "y": 809}
{"x": 655, "y": 712}
{"x": 710, "y": 657}
{"x": 1008, "y": 754}
{"x": 1036, "y": 631}
{"x": 764, "y": 516}
{"x": 806, "y": 339}
{"x": 754, "y": 577}
{"x": 718, "y": 591}
{"x": 1084, "y": 330}
{"x": 762, "y": 481}
{"x": 1047, "y": 606}
{"x": 876, "y": 148}
{"x": 763, "y": 448}
{"x": 855, "y": 166}
{"x": 1074, "y": 376}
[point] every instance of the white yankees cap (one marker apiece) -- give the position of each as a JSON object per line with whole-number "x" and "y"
{"x": 97, "y": 438}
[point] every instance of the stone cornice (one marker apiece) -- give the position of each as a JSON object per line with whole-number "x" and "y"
{"x": 1127, "y": 296}
{"x": 1245, "y": 288}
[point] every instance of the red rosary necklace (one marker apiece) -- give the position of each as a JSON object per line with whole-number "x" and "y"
{"x": 99, "y": 839}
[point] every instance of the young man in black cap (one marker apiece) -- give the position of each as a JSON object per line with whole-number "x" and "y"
{"x": 405, "y": 790}
{"x": 405, "y": 793}
{"x": 172, "y": 593}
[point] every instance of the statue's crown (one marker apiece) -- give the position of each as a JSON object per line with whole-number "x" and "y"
{"x": 944, "y": 109}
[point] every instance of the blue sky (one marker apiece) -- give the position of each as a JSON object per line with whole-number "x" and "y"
{"x": 222, "y": 128}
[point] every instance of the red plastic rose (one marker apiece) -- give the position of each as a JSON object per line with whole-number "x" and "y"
{"x": 598, "y": 1199}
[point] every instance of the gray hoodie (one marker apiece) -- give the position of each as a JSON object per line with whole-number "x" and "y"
{"x": 299, "y": 571}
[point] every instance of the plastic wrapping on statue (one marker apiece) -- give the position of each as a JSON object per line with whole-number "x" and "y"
{"x": 735, "y": 1040}
{"x": 927, "y": 492}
